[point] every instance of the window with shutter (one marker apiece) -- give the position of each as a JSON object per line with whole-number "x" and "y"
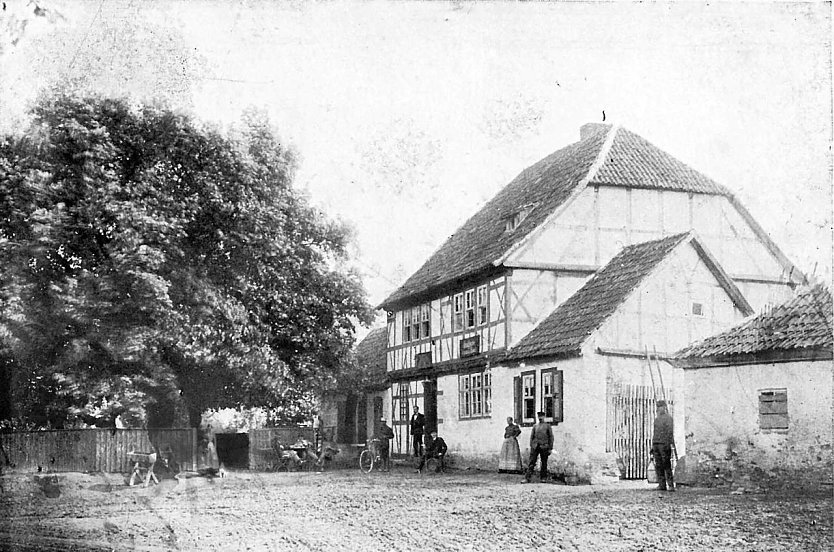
{"x": 551, "y": 393}
{"x": 528, "y": 398}
{"x": 773, "y": 409}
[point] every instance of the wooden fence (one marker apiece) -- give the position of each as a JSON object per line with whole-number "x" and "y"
{"x": 260, "y": 443}
{"x": 95, "y": 450}
{"x": 630, "y": 422}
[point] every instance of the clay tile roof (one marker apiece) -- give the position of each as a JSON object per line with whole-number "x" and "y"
{"x": 482, "y": 239}
{"x": 633, "y": 161}
{"x": 565, "y": 330}
{"x": 804, "y": 322}
{"x": 541, "y": 189}
{"x": 370, "y": 354}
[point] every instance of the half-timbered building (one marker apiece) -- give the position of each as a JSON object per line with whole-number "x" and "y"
{"x": 453, "y": 326}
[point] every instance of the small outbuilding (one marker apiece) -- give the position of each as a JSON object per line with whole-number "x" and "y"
{"x": 759, "y": 397}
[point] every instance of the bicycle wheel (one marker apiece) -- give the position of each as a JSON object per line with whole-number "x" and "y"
{"x": 366, "y": 461}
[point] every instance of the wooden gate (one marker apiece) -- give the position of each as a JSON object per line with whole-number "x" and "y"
{"x": 629, "y": 425}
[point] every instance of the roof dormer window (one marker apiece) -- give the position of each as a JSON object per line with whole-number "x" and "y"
{"x": 514, "y": 220}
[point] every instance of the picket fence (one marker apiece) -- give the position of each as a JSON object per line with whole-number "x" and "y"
{"x": 630, "y": 422}
{"x": 95, "y": 450}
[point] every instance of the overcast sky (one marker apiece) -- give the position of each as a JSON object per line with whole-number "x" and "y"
{"x": 409, "y": 116}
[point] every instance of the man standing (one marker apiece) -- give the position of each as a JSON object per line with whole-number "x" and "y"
{"x": 436, "y": 449}
{"x": 418, "y": 422}
{"x": 385, "y": 435}
{"x": 317, "y": 432}
{"x": 541, "y": 443}
{"x": 663, "y": 441}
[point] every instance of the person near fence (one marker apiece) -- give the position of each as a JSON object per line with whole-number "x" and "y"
{"x": 385, "y": 435}
{"x": 541, "y": 443}
{"x": 418, "y": 422}
{"x": 436, "y": 449}
{"x": 510, "y": 458}
{"x": 663, "y": 441}
{"x": 317, "y": 432}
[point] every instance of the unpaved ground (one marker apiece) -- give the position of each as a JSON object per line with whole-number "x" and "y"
{"x": 346, "y": 510}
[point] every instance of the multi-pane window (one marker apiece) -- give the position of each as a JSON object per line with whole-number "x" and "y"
{"x": 773, "y": 409}
{"x": 458, "y": 311}
{"x": 470, "y": 308}
{"x": 416, "y": 323}
{"x": 403, "y": 396}
{"x": 475, "y": 395}
{"x": 425, "y": 320}
{"x": 406, "y": 325}
{"x": 528, "y": 397}
{"x": 483, "y": 313}
{"x": 469, "y": 303}
{"x": 551, "y": 386}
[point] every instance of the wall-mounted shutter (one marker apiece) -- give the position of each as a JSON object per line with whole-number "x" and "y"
{"x": 558, "y": 397}
{"x": 517, "y": 399}
{"x": 773, "y": 409}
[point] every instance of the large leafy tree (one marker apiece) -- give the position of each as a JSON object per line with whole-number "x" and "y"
{"x": 149, "y": 261}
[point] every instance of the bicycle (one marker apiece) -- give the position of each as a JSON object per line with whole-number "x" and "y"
{"x": 370, "y": 457}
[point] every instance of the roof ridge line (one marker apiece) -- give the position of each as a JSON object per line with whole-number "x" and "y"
{"x": 578, "y": 189}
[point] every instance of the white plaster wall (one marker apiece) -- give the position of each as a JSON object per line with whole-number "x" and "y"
{"x": 537, "y": 293}
{"x": 594, "y": 228}
{"x": 475, "y": 441}
{"x": 659, "y": 313}
{"x": 722, "y": 419}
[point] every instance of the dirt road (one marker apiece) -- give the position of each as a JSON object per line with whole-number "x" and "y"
{"x": 346, "y": 510}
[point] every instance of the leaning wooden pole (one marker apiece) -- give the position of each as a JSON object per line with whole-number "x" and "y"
{"x": 651, "y": 373}
{"x": 660, "y": 375}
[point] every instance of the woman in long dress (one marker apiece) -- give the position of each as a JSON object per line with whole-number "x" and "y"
{"x": 510, "y": 459}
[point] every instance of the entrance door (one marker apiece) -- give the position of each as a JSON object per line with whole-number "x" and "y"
{"x": 349, "y": 433}
{"x": 362, "y": 425}
{"x": 377, "y": 413}
{"x": 430, "y": 407}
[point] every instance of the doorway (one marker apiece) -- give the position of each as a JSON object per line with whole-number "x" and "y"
{"x": 430, "y": 407}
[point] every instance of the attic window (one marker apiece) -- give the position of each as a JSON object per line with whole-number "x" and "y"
{"x": 697, "y": 309}
{"x": 514, "y": 220}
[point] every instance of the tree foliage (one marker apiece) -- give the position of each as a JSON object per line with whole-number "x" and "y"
{"x": 149, "y": 259}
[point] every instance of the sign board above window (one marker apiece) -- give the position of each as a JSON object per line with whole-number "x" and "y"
{"x": 470, "y": 346}
{"x": 422, "y": 360}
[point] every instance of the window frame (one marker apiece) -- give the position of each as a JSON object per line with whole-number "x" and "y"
{"x": 415, "y": 323}
{"x": 425, "y": 320}
{"x": 778, "y": 396}
{"x": 525, "y": 420}
{"x": 482, "y": 305}
{"x": 407, "y": 325}
{"x": 475, "y": 395}
{"x": 700, "y": 306}
{"x": 457, "y": 312}
{"x": 555, "y": 397}
{"x": 470, "y": 308}
{"x": 403, "y": 395}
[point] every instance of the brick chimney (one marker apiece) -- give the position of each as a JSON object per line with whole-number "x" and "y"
{"x": 589, "y": 129}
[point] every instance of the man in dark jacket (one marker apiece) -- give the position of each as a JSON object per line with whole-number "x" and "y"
{"x": 385, "y": 435}
{"x": 541, "y": 443}
{"x": 418, "y": 422}
{"x": 436, "y": 449}
{"x": 663, "y": 441}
